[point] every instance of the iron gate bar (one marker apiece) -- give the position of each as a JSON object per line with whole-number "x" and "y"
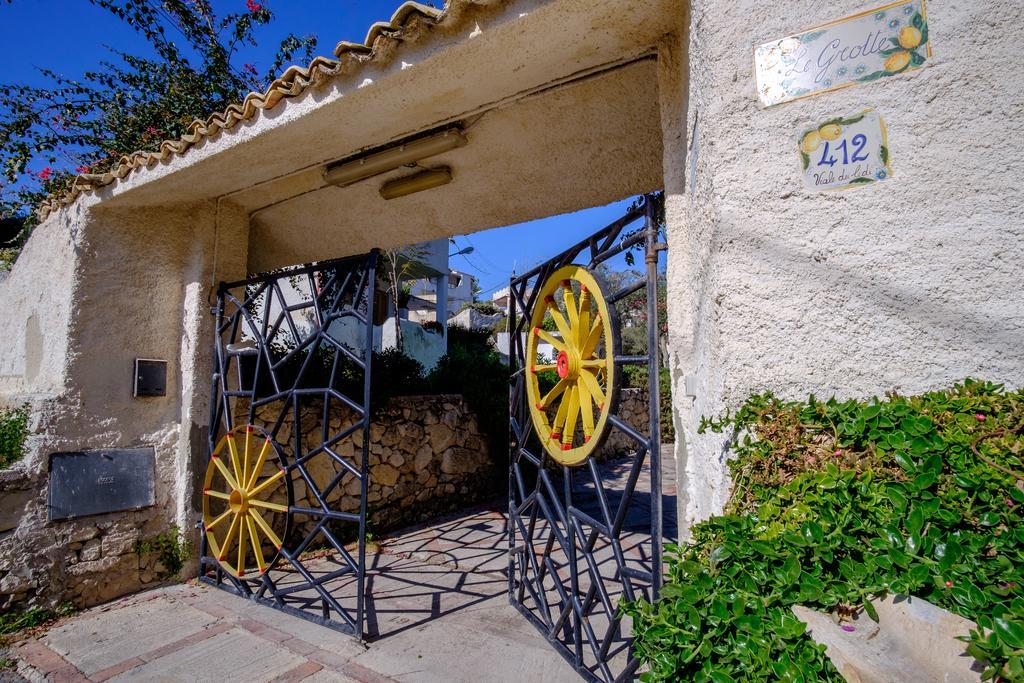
{"x": 544, "y": 513}
{"x": 338, "y": 289}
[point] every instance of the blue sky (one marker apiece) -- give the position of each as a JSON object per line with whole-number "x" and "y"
{"x": 69, "y": 36}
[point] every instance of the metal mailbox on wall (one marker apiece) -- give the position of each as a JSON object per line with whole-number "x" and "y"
{"x": 86, "y": 483}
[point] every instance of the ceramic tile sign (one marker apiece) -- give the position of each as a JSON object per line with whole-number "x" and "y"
{"x": 864, "y": 47}
{"x": 845, "y": 152}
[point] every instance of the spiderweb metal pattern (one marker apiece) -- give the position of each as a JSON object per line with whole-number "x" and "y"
{"x": 579, "y": 544}
{"x": 288, "y": 442}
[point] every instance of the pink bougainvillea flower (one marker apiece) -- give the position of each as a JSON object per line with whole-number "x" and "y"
{"x": 253, "y": 6}
{"x": 46, "y": 173}
{"x": 949, "y": 584}
{"x": 151, "y": 131}
{"x": 848, "y": 628}
{"x": 249, "y": 68}
{"x": 839, "y": 452}
{"x": 82, "y": 169}
{"x": 979, "y": 417}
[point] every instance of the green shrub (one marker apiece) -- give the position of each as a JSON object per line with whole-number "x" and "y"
{"x": 13, "y": 430}
{"x": 836, "y": 502}
{"x": 171, "y": 547}
{"x": 395, "y": 374}
{"x": 474, "y": 369}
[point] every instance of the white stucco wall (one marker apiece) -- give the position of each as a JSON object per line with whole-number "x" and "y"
{"x": 35, "y": 309}
{"x": 909, "y": 284}
{"x": 113, "y": 286}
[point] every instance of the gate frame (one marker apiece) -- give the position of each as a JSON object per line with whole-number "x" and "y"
{"x": 603, "y": 245}
{"x": 221, "y": 416}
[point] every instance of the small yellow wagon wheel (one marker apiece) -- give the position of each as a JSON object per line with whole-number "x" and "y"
{"x": 571, "y": 418}
{"x": 245, "y": 510}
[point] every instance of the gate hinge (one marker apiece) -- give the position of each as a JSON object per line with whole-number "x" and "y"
{"x": 660, "y": 246}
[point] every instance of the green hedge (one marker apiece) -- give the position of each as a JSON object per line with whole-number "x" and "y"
{"x": 836, "y": 502}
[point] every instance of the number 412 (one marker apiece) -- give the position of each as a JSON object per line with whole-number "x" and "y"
{"x": 859, "y": 142}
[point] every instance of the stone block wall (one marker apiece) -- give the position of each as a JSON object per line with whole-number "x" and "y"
{"x": 84, "y": 561}
{"x": 427, "y": 456}
{"x": 634, "y": 411}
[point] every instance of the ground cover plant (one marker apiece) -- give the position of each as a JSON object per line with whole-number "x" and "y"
{"x": 836, "y": 502}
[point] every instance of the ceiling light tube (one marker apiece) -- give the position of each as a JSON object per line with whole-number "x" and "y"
{"x": 348, "y": 172}
{"x": 426, "y": 180}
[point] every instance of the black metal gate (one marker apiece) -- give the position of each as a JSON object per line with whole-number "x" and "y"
{"x": 289, "y": 428}
{"x": 570, "y": 561}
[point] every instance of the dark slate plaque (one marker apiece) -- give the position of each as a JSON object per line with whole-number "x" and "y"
{"x": 93, "y": 482}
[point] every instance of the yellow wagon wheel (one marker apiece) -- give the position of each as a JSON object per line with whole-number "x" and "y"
{"x": 239, "y": 512}
{"x": 571, "y": 418}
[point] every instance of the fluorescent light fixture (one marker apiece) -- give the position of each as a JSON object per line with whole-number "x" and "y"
{"x": 425, "y": 180}
{"x": 347, "y": 172}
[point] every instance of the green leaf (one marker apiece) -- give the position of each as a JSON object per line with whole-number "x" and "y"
{"x": 915, "y": 520}
{"x": 870, "y": 610}
{"x": 791, "y": 570}
{"x": 1010, "y": 632}
{"x": 806, "y": 159}
{"x": 860, "y": 181}
{"x": 989, "y": 519}
{"x": 974, "y": 651}
{"x": 951, "y": 553}
{"x": 1015, "y": 668}
{"x": 924, "y": 481}
{"x": 919, "y": 574}
{"x": 917, "y": 21}
{"x": 813, "y": 532}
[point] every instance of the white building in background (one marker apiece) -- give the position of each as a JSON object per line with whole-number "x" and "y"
{"x": 500, "y": 297}
{"x": 457, "y": 288}
{"x": 425, "y": 262}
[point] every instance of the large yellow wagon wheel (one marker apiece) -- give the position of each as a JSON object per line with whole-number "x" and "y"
{"x": 571, "y": 418}
{"x": 243, "y": 501}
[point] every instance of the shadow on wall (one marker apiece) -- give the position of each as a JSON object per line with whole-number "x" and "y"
{"x": 963, "y": 326}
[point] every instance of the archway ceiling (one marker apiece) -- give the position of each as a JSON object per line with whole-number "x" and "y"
{"x": 584, "y": 145}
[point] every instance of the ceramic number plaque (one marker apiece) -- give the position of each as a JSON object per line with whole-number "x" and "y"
{"x": 858, "y": 49}
{"x": 845, "y": 152}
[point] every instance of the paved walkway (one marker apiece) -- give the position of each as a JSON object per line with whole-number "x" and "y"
{"x": 439, "y": 612}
